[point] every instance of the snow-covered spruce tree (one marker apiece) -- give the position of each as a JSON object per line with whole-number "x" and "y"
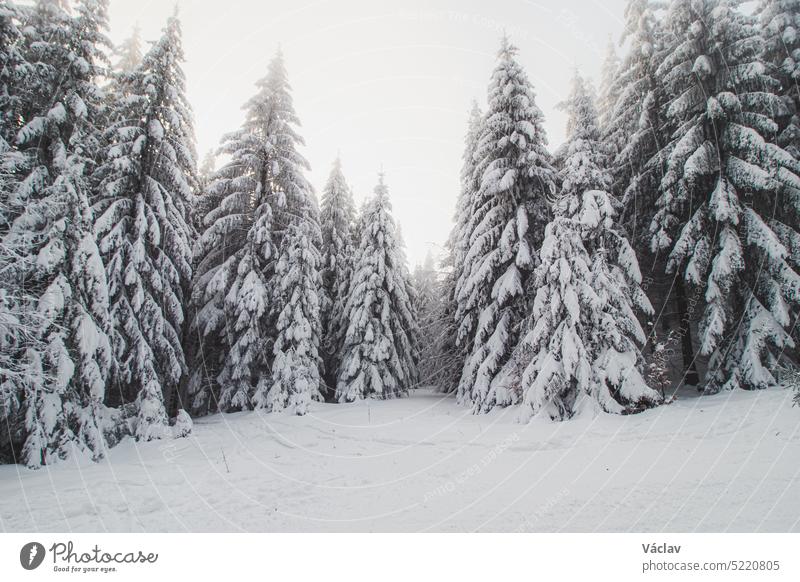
{"x": 456, "y": 327}
{"x": 378, "y": 357}
{"x": 509, "y": 214}
{"x": 236, "y": 255}
{"x": 129, "y": 53}
{"x": 470, "y": 186}
{"x": 203, "y": 354}
{"x": 337, "y": 218}
{"x": 729, "y": 198}
{"x": 295, "y": 379}
{"x": 637, "y": 128}
{"x": 640, "y": 130}
{"x": 780, "y": 29}
{"x": 582, "y": 346}
{"x": 121, "y": 83}
{"x": 293, "y": 193}
{"x": 410, "y": 364}
{"x": 146, "y": 180}
{"x": 58, "y": 262}
{"x": 606, "y": 103}
{"x": 207, "y": 343}
{"x": 430, "y": 306}
{"x": 19, "y": 323}
{"x": 261, "y": 189}
{"x": 449, "y": 356}
{"x": 15, "y": 305}
{"x": 609, "y": 88}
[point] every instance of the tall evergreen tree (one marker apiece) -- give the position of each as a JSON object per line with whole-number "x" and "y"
{"x": 609, "y": 89}
{"x": 204, "y": 347}
{"x": 432, "y": 323}
{"x": 411, "y": 363}
{"x": 637, "y": 127}
{"x": 19, "y": 323}
{"x": 295, "y": 379}
{"x": 584, "y": 336}
{"x": 129, "y": 53}
{"x": 261, "y": 191}
{"x": 337, "y": 217}
{"x": 120, "y": 89}
{"x": 293, "y": 193}
{"x": 509, "y": 214}
{"x": 725, "y": 178}
{"x": 59, "y": 263}
{"x": 640, "y": 130}
{"x": 379, "y": 359}
{"x": 458, "y": 328}
{"x": 145, "y": 235}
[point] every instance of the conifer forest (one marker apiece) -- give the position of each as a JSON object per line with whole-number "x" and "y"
{"x": 643, "y": 270}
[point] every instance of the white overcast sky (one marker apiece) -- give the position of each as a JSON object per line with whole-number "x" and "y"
{"x": 385, "y": 84}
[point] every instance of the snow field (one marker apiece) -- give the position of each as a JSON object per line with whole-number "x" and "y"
{"x": 729, "y": 462}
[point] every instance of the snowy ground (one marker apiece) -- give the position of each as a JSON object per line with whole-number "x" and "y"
{"x": 725, "y": 463}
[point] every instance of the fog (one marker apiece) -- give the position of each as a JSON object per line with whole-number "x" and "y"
{"x": 384, "y": 84}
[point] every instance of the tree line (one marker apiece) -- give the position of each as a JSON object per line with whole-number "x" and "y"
{"x": 685, "y": 167}
{"x": 658, "y": 246}
{"x": 137, "y": 290}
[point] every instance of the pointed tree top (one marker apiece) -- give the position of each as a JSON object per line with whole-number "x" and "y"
{"x": 583, "y": 158}
{"x": 507, "y": 48}
{"x": 278, "y": 58}
{"x": 611, "y": 62}
{"x": 276, "y": 70}
{"x": 336, "y": 175}
{"x": 580, "y": 105}
{"x": 381, "y": 190}
{"x": 578, "y": 82}
{"x": 130, "y": 50}
{"x": 174, "y": 22}
{"x": 170, "y": 41}
{"x": 475, "y": 109}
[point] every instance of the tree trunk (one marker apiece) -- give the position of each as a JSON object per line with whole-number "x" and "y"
{"x": 690, "y": 375}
